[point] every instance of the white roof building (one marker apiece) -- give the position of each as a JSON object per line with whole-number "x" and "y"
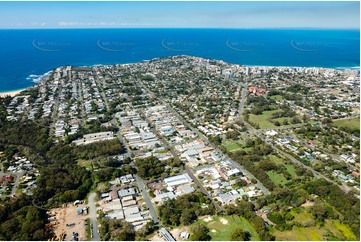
{"x": 178, "y": 180}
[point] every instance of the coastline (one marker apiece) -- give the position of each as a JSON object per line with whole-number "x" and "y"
{"x": 342, "y": 69}
{"x": 11, "y": 93}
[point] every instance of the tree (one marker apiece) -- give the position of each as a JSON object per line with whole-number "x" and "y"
{"x": 149, "y": 167}
{"x": 200, "y": 233}
{"x": 240, "y": 182}
{"x": 188, "y": 216}
{"x": 232, "y": 135}
{"x": 295, "y": 120}
{"x": 239, "y": 235}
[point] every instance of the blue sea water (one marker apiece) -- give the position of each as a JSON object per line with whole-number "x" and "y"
{"x": 33, "y": 52}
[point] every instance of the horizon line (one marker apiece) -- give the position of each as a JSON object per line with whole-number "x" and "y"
{"x": 315, "y": 28}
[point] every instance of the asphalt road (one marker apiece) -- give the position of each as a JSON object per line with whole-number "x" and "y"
{"x": 93, "y": 216}
{"x": 127, "y": 150}
{"x": 201, "y": 188}
{"x": 139, "y": 181}
{"x": 241, "y": 168}
{"x": 205, "y": 139}
{"x": 294, "y": 160}
{"x": 152, "y": 212}
{"x": 241, "y": 104}
{"x": 187, "y": 169}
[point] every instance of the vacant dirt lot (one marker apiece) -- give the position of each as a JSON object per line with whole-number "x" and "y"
{"x": 68, "y": 215}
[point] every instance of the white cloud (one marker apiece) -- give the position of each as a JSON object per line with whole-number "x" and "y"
{"x": 71, "y": 24}
{"x": 68, "y": 23}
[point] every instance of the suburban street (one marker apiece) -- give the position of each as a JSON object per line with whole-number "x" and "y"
{"x": 152, "y": 212}
{"x": 186, "y": 168}
{"x": 291, "y": 158}
{"x": 93, "y": 216}
{"x": 294, "y": 160}
{"x": 80, "y": 93}
{"x": 242, "y": 101}
{"x": 139, "y": 181}
{"x": 205, "y": 139}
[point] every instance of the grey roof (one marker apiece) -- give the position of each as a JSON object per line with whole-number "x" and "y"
{"x": 126, "y": 192}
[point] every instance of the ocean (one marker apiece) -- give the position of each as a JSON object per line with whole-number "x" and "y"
{"x": 24, "y": 54}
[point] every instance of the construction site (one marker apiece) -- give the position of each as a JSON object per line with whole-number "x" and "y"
{"x": 69, "y": 222}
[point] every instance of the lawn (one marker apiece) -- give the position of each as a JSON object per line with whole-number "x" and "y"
{"x": 85, "y": 163}
{"x": 333, "y": 228}
{"x": 346, "y": 231}
{"x": 297, "y": 233}
{"x": 276, "y": 97}
{"x": 291, "y": 170}
{"x": 340, "y": 232}
{"x": 222, "y": 232}
{"x": 162, "y": 151}
{"x": 289, "y": 167}
{"x": 277, "y": 178}
{"x": 276, "y": 159}
{"x": 262, "y": 121}
{"x": 301, "y": 217}
{"x": 353, "y": 123}
{"x": 232, "y": 146}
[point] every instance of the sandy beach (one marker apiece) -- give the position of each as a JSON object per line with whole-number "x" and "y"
{"x": 11, "y": 93}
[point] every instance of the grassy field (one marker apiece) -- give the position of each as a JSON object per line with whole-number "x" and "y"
{"x": 335, "y": 230}
{"x": 331, "y": 230}
{"x": 276, "y": 97}
{"x": 84, "y": 163}
{"x": 346, "y": 231}
{"x": 297, "y": 233}
{"x": 276, "y": 160}
{"x": 351, "y": 123}
{"x": 277, "y": 178}
{"x": 222, "y": 232}
{"x": 291, "y": 170}
{"x": 262, "y": 121}
{"x": 279, "y": 161}
{"x": 302, "y": 217}
{"x": 232, "y": 146}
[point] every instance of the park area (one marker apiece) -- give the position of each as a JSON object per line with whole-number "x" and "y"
{"x": 304, "y": 228}
{"x": 234, "y": 145}
{"x": 353, "y": 123}
{"x": 263, "y": 120}
{"x": 221, "y": 228}
{"x": 231, "y": 145}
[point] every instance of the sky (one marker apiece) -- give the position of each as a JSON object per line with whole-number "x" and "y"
{"x": 38, "y": 15}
